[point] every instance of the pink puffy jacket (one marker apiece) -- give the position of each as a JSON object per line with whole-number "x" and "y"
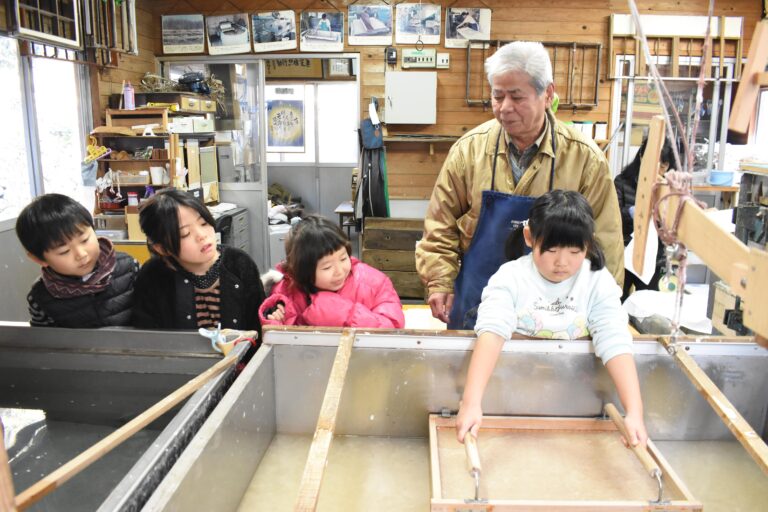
{"x": 367, "y": 299}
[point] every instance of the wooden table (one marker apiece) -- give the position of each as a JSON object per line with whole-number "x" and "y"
{"x": 346, "y": 212}
{"x": 728, "y": 195}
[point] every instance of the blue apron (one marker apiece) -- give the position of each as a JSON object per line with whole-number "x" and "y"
{"x": 486, "y": 250}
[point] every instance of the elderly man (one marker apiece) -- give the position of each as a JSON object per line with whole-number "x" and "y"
{"x": 493, "y": 173}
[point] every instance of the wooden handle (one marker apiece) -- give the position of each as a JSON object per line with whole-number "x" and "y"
{"x": 6, "y": 480}
{"x": 44, "y": 486}
{"x": 473, "y": 454}
{"x": 642, "y": 453}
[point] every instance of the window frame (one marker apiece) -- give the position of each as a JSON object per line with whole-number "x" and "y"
{"x": 29, "y": 120}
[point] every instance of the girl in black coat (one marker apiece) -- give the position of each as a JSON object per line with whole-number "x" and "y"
{"x": 626, "y": 188}
{"x": 191, "y": 282}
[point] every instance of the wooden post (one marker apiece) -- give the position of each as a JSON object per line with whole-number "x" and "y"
{"x": 312, "y": 479}
{"x": 6, "y": 479}
{"x": 649, "y": 171}
{"x": 744, "y": 433}
{"x": 749, "y": 88}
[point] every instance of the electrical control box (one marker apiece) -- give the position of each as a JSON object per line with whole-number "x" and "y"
{"x": 413, "y": 58}
{"x": 391, "y": 55}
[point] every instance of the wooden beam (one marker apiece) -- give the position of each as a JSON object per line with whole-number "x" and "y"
{"x": 649, "y": 172}
{"x": 6, "y": 479}
{"x": 57, "y": 478}
{"x": 735, "y": 422}
{"x": 749, "y": 88}
{"x": 312, "y": 479}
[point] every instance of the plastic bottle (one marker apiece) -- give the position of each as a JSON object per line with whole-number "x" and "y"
{"x": 129, "y": 100}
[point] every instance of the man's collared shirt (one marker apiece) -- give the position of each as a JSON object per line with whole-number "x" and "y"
{"x": 519, "y": 161}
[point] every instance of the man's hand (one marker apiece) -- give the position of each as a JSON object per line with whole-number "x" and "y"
{"x": 441, "y": 304}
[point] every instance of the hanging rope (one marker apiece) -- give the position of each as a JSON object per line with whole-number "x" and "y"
{"x": 679, "y": 181}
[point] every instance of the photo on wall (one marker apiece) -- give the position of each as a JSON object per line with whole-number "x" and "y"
{"x": 370, "y": 24}
{"x": 285, "y": 120}
{"x": 183, "y": 33}
{"x": 418, "y": 22}
{"x": 228, "y": 34}
{"x": 274, "y": 30}
{"x": 466, "y": 23}
{"x": 322, "y": 31}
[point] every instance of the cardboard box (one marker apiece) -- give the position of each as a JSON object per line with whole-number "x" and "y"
{"x": 134, "y": 228}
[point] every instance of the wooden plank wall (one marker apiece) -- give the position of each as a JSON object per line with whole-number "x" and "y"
{"x": 412, "y": 170}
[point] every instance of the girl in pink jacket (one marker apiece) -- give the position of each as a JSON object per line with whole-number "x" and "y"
{"x": 321, "y": 284}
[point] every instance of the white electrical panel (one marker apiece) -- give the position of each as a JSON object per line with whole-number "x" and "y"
{"x": 443, "y": 60}
{"x": 424, "y": 58}
{"x": 410, "y": 97}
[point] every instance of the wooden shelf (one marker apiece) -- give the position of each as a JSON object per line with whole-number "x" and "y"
{"x": 127, "y": 160}
{"x": 424, "y": 139}
{"x": 754, "y": 167}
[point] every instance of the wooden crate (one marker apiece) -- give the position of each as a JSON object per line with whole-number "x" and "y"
{"x": 390, "y": 246}
{"x": 552, "y": 464}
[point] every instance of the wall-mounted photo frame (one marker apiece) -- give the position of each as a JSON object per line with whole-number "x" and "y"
{"x": 418, "y": 22}
{"x": 274, "y": 30}
{"x": 183, "y": 33}
{"x": 322, "y": 31}
{"x": 370, "y": 24}
{"x": 465, "y": 23}
{"x": 55, "y": 22}
{"x": 228, "y": 34}
{"x": 338, "y": 68}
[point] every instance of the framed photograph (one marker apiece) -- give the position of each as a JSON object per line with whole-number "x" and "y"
{"x": 228, "y": 34}
{"x": 56, "y": 22}
{"x": 322, "y": 31}
{"x": 370, "y": 24}
{"x": 339, "y": 68}
{"x": 183, "y": 33}
{"x": 465, "y": 23}
{"x": 285, "y": 119}
{"x": 418, "y": 22}
{"x": 274, "y": 30}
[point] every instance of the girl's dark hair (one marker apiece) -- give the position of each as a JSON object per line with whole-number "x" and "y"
{"x": 159, "y": 218}
{"x": 667, "y": 156}
{"x": 559, "y": 218}
{"x": 308, "y": 242}
{"x": 49, "y": 221}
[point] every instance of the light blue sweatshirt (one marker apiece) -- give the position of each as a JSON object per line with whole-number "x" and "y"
{"x": 518, "y": 299}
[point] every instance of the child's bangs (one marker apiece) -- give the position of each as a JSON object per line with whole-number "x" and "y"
{"x": 564, "y": 233}
{"x": 59, "y": 234}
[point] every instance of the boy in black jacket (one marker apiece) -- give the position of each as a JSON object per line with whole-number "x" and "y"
{"x": 84, "y": 282}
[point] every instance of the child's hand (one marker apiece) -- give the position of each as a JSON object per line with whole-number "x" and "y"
{"x": 468, "y": 420}
{"x": 636, "y": 429}
{"x": 278, "y": 315}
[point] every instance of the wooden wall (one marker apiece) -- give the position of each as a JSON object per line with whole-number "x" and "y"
{"x": 109, "y": 80}
{"x": 412, "y": 170}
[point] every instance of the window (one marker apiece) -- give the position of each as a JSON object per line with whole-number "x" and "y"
{"x": 52, "y": 137}
{"x": 337, "y": 122}
{"x": 15, "y": 189}
{"x": 59, "y": 128}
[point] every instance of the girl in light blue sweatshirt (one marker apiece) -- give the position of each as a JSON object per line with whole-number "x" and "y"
{"x": 561, "y": 290}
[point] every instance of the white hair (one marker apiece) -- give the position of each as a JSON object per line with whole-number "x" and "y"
{"x": 526, "y": 56}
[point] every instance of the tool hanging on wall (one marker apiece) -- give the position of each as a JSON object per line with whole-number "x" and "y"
{"x": 109, "y": 27}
